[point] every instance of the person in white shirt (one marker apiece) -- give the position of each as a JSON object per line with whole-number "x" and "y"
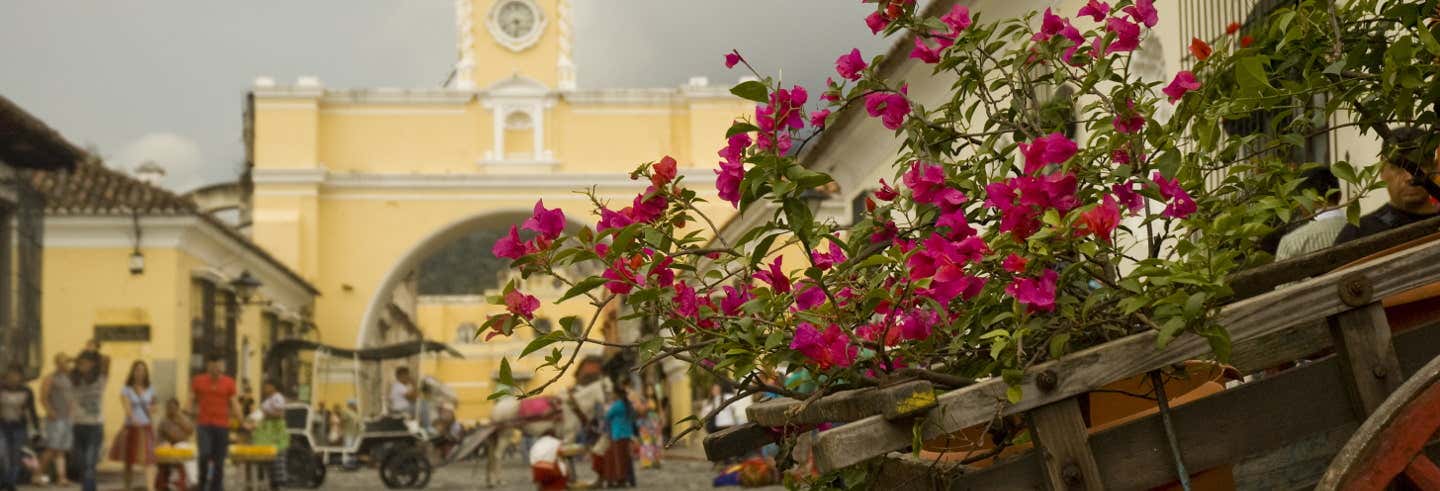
{"x": 402, "y": 394}
{"x": 547, "y": 469}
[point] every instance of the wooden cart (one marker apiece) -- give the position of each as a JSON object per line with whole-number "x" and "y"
{"x": 1348, "y": 389}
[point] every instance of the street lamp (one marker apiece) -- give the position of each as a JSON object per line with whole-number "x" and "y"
{"x": 245, "y": 286}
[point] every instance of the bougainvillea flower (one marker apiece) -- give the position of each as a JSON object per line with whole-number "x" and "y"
{"x": 1015, "y": 263}
{"x": 1246, "y": 41}
{"x": 809, "y": 297}
{"x": 1037, "y": 293}
{"x": 1101, "y": 220}
{"x": 521, "y": 304}
{"x": 886, "y": 232}
{"x": 1180, "y": 204}
{"x": 1144, "y": 12}
{"x": 827, "y": 349}
{"x": 1129, "y": 120}
{"x": 648, "y": 206}
{"x": 1054, "y": 148}
{"x": 687, "y": 304}
{"x": 958, "y": 19}
{"x": 1127, "y": 35}
{"x": 621, "y": 276}
{"x": 509, "y": 246}
{"x": 886, "y": 193}
{"x": 611, "y": 219}
{"x": 1200, "y": 49}
{"x": 775, "y": 277}
{"x": 547, "y": 223}
{"x": 1095, "y": 9}
{"x": 1076, "y": 41}
{"x": 1126, "y": 196}
{"x": 872, "y": 332}
{"x": 927, "y": 54}
{"x": 663, "y": 172}
{"x": 727, "y": 181}
{"x": 958, "y": 224}
{"x": 1233, "y": 28}
{"x": 891, "y": 107}
{"x": 731, "y": 59}
{"x": 817, "y": 118}
{"x": 925, "y": 181}
{"x": 827, "y": 260}
{"x": 735, "y": 146}
{"x": 850, "y": 65}
{"x": 951, "y": 281}
{"x": 877, "y": 22}
{"x": 1183, "y": 83}
{"x": 917, "y": 324}
{"x": 1050, "y": 25}
{"x": 734, "y": 299}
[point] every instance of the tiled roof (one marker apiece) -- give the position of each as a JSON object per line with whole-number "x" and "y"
{"x": 27, "y": 142}
{"x": 93, "y": 189}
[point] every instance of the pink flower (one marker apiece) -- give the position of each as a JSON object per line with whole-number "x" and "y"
{"x": 1126, "y": 195}
{"x": 827, "y": 260}
{"x": 809, "y": 298}
{"x": 927, "y": 54}
{"x": 1144, "y": 12}
{"x": 611, "y": 219}
{"x": 877, "y": 22}
{"x": 547, "y": 223}
{"x": 951, "y": 281}
{"x": 1184, "y": 82}
{"x": 735, "y": 146}
{"x": 1037, "y": 293}
{"x": 891, "y": 107}
{"x": 521, "y": 304}
{"x": 1076, "y": 41}
{"x": 850, "y": 65}
{"x": 872, "y": 332}
{"x": 687, "y": 304}
{"x": 817, "y": 118}
{"x": 1095, "y": 9}
{"x": 621, "y": 276}
{"x": 957, "y": 222}
{"x": 732, "y": 58}
{"x": 727, "y": 181}
{"x": 1129, "y": 121}
{"x": 1014, "y": 263}
{"x": 1181, "y": 205}
{"x": 829, "y": 349}
{"x": 734, "y": 299}
{"x": 917, "y": 324}
{"x": 1102, "y": 219}
{"x": 510, "y": 246}
{"x": 1022, "y": 218}
{"x": 663, "y": 172}
{"x": 886, "y": 193}
{"x": 886, "y": 232}
{"x": 1127, "y": 35}
{"x": 1050, "y": 25}
{"x": 958, "y": 19}
{"x": 775, "y": 277}
{"x": 1054, "y": 148}
{"x": 926, "y": 180}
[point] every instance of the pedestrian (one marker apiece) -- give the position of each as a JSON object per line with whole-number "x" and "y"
{"x": 271, "y": 430}
{"x": 57, "y": 396}
{"x": 17, "y": 420}
{"x": 649, "y": 426}
{"x": 619, "y": 464}
{"x": 350, "y": 431}
{"x": 1409, "y": 201}
{"x": 716, "y": 404}
{"x": 175, "y": 430}
{"x": 547, "y": 469}
{"x": 135, "y": 443}
{"x": 402, "y": 394}
{"x": 212, "y": 402}
{"x": 92, "y": 372}
{"x": 333, "y": 423}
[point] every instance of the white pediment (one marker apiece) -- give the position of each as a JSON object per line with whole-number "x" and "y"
{"x": 517, "y": 86}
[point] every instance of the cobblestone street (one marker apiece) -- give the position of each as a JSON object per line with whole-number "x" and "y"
{"x": 676, "y": 474}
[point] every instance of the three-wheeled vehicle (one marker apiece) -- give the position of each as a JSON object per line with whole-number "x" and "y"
{"x": 399, "y": 445}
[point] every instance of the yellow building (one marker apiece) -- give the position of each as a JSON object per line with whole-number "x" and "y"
{"x": 153, "y": 279}
{"x": 354, "y": 188}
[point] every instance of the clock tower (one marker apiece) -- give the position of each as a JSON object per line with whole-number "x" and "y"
{"x": 498, "y": 39}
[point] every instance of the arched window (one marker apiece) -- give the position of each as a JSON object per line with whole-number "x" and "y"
{"x": 465, "y": 333}
{"x": 520, "y": 141}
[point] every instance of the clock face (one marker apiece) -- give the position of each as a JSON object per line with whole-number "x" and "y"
{"x": 515, "y": 19}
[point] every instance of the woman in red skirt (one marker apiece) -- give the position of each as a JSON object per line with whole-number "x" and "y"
{"x": 135, "y": 444}
{"x": 619, "y": 462}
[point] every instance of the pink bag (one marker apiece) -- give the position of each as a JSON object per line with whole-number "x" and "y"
{"x": 537, "y": 408}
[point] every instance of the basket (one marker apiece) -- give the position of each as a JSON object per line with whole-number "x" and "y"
{"x": 253, "y": 453}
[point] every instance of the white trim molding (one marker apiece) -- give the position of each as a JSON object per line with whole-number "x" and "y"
{"x": 564, "y": 182}
{"x": 465, "y": 42}
{"x": 565, "y": 63}
{"x": 390, "y": 95}
{"x": 288, "y": 176}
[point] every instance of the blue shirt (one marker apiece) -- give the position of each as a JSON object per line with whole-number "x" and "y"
{"x": 622, "y": 426}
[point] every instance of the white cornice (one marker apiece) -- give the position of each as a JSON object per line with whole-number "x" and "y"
{"x": 287, "y": 92}
{"x": 287, "y": 176}
{"x": 398, "y": 96}
{"x": 556, "y": 181}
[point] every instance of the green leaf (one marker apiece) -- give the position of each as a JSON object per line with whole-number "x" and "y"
{"x": 505, "y": 377}
{"x": 1251, "y": 75}
{"x": 581, "y": 288}
{"x": 1168, "y": 330}
{"x": 1014, "y": 394}
{"x": 752, "y": 90}
{"x": 1427, "y": 39}
{"x": 740, "y": 127}
{"x": 1059, "y": 344}
{"x": 538, "y": 343}
{"x": 1344, "y": 171}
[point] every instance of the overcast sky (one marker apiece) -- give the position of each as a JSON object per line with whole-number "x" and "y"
{"x": 164, "y": 80}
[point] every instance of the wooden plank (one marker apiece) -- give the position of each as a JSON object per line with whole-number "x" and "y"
{"x": 1362, "y": 337}
{"x": 736, "y": 441}
{"x": 1092, "y": 368}
{"x": 1391, "y": 438}
{"x": 903, "y": 471}
{"x": 1064, "y": 446}
{"x": 892, "y": 402}
{"x": 1280, "y": 347}
{"x": 1261, "y": 279}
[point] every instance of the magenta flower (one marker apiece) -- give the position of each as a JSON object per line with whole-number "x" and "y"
{"x": 831, "y": 348}
{"x": 1129, "y": 121}
{"x": 958, "y": 224}
{"x": 687, "y": 304}
{"x": 1076, "y": 41}
{"x": 809, "y": 298}
{"x": 734, "y": 150}
{"x": 1095, "y": 9}
{"x": 1184, "y": 82}
{"x": 621, "y": 276}
{"x": 1054, "y": 148}
{"x": 509, "y": 246}
{"x": 1102, "y": 219}
{"x": 877, "y": 22}
{"x": 734, "y": 299}
{"x": 775, "y": 277}
{"x": 891, "y": 107}
{"x": 927, "y": 54}
{"x": 727, "y": 181}
{"x": 1127, "y": 35}
{"x": 1050, "y": 25}
{"x": 827, "y": 260}
{"x": 951, "y": 281}
{"x": 1126, "y": 195}
{"x": 1144, "y": 12}
{"x": 547, "y": 223}
{"x": 850, "y": 65}
{"x": 872, "y": 332}
{"x": 817, "y": 118}
{"x": 1180, "y": 204}
{"x": 1014, "y": 263}
{"x": 958, "y": 19}
{"x": 917, "y": 324}
{"x": 521, "y": 304}
{"x": 886, "y": 193}
{"x": 610, "y": 219}
{"x": 663, "y": 172}
{"x": 886, "y": 233}
{"x": 925, "y": 180}
{"x": 732, "y": 58}
{"x": 1037, "y": 293}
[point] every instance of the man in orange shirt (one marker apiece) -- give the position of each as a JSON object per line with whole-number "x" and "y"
{"x": 213, "y": 403}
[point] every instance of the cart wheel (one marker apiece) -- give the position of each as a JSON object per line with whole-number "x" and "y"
{"x": 408, "y": 468}
{"x": 1391, "y": 442}
{"x": 317, "y": 479}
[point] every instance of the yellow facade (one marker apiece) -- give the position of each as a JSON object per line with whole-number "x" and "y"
{"x": 353, "y": 188}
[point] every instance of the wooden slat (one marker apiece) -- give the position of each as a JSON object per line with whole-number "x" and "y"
{"x": 1064, "y": 446}
{"x": 1279, "y": 347}
{"x": 891, "y": 402}
{"x": 905, "y": 472}
{"x": 736, "y": 441}
{"x": 1261, "y": 279}
{"x": 1362, "y": 337}
{"x": 1094, "y": 367}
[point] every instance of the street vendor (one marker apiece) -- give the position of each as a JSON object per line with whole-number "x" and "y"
{"x": 548, "y": 470}
{"x": 1409, "y": 202}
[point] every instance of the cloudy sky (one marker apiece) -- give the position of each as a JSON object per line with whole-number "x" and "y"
{"x": 164, "y": 80}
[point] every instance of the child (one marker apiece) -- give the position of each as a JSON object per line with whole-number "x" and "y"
{"x": 546, "y": 467}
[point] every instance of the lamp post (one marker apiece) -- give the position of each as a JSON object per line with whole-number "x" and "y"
{"x": 245, "y": 286}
